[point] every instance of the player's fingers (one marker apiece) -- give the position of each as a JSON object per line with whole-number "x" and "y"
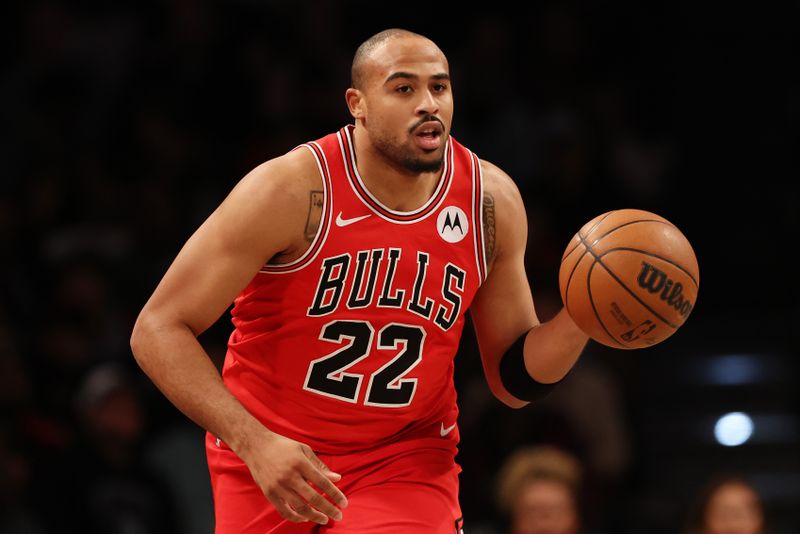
{"x": 335, "y": 477}
{"x": 317, "y": 476}
{"x": 284, "y": 509}
{"x": 315, "y": 499}
{"x": 303, "y": 509}
{"x": 326, "y": 486}
{"x": 319, "y": 464}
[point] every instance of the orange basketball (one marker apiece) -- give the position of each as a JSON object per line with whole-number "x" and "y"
{"x": 629, "y": 278}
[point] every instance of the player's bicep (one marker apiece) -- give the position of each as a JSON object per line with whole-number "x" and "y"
{"x": 503, "y": 308}
{"x": 252, "y": 224}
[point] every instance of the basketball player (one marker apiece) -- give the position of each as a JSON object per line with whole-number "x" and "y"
{"x": 351, "y": 261}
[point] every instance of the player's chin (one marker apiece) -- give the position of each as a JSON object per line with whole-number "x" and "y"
{"x": 431, "y": 154}
{"x": 417, "y": 161}
{"x": 428, "y": 163}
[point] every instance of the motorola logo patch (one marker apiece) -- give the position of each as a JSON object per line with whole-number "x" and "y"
{"x": 452, "y": 224}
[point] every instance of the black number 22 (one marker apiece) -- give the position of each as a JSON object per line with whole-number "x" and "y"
{"x": 387, "y": 387}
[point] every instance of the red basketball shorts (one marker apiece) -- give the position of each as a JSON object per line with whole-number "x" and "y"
{"x": 392, "y": 490}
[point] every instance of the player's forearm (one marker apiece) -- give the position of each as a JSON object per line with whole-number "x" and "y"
{"x": 179, "y": 366}
{"x": 552, "y": 348}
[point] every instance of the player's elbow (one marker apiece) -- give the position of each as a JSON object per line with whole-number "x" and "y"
{"x": 139, "y": 336}
{"x": 491, "y": 369}
{"x": 511, "y": 401}
{"x": 500, "y": 392}
{"x": 145, "y": 330}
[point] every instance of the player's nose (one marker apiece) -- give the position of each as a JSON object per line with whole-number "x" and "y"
{"x": 427, "y": 105}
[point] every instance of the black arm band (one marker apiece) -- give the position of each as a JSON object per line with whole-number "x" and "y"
{"x": 515, "y": 377}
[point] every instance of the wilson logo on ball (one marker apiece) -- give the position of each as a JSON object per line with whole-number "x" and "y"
{"x": 655, "y": 280}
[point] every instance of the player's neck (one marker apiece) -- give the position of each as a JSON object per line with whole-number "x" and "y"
{"x": 394, "y": 186}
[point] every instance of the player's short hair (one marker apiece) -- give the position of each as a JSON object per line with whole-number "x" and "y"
{"x": 366, "y": 48}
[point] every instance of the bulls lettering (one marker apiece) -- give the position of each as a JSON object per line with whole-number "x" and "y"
{"x": 452, "y": 274}
{"x": 361, "y": 259}
{"x": 374, "y": 280}
{"x": 331, "y": 283}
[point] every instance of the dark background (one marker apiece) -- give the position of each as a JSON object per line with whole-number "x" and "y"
{"x": 126, "y": 123}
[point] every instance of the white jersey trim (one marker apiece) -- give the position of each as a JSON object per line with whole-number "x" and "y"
{"x": 444, "y": 181}
{"x": 479, "y": 236}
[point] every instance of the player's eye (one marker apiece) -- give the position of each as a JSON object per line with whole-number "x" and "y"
{"x": 403, "y": 88}
{"x": 440, "y": 87}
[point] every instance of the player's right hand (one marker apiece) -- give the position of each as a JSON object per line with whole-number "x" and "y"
{"x": 285, "y": 470}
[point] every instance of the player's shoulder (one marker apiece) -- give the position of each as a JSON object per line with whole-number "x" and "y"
{"x": 293, "y": 171}
{"x": 499, "y": 185}
{"x": 280, "y": 181}
{"x": 267, "y": 209}
{"x": 503, "y": 208}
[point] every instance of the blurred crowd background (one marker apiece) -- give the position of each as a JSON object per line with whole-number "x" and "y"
{"x": 125, "y": 123}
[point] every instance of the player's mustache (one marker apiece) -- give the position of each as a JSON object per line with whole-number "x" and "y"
{"x": 423, "y": 120}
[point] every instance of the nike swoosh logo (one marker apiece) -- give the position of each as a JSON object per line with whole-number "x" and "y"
{"x": 345, "y": 222}
{"x": 444, "y": 431}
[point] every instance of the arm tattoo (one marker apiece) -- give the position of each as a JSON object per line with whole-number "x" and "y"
{"x": 488, "y": 227}
{"x": 314, "y": 215}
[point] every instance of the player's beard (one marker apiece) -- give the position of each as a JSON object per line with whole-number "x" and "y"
{"x": 402, "y": 156}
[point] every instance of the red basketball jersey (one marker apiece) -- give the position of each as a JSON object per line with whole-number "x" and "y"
{"x": 352, "y": 345}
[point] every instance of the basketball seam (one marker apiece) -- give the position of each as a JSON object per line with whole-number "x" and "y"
{"x": 580, "y": 237}
{"x": 594, "y": 308}
{"x": 612, "y": 230}
{"x": 580, "y": 242}
{"x": 569, "y": 279}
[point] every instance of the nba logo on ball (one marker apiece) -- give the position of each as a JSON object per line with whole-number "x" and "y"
{"x": 452, "y": 224}
{"x": 629, "y": 278}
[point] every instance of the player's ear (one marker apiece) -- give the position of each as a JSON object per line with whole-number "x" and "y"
{"x": 355, "y": 103}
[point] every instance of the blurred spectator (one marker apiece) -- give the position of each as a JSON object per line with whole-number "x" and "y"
{"x": 102, "y": 485}
{"x": 16, "y": 514}
{"x": 539, "y": 488}
{"x": 728, "y": 505}
{"x": 177, "y": 453}
{"x": 122, "y": 495}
